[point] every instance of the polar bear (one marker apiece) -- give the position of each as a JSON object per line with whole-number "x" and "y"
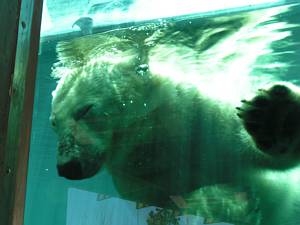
{"x": 172, "y": 107}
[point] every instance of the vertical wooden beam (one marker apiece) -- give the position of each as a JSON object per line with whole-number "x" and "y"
{"x": 9, "y": 20}
{"x": 20, "y": 41}
{"x": 9, "y": 14}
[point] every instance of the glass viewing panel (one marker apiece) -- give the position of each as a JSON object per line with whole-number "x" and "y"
{"x": 166, "y": 113}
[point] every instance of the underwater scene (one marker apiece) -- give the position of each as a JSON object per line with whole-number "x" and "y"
{"x": 185, "y": 118}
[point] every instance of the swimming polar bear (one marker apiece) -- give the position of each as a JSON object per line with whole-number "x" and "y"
{"x": 172, "y": 108}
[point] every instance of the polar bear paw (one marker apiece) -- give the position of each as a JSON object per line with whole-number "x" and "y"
{"x": 272, "y": 118}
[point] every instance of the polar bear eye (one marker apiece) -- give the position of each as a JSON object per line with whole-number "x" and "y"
{"x": 53, "y": 123}
{"x": 81, "y": 112}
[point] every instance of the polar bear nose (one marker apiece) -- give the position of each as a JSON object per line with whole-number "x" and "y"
{"x": 71, "y": 170}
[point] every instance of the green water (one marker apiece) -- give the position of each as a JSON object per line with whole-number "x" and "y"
{"x": 52, "y": 199}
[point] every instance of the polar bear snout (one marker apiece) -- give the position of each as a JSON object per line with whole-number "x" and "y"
{"x": 71, "y": 170}
{"x": 75, "y": 161}
{"x": 78, "y": 169}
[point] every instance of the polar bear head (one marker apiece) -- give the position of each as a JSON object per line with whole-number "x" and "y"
{"x": 101, "y": 90}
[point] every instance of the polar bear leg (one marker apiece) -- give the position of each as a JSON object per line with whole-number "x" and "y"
{"x": 272, "y": 118}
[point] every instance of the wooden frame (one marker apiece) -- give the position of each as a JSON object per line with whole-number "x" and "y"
{"x": 19, "y": 41}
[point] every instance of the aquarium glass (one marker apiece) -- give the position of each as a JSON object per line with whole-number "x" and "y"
{"x": 166, "y": 113}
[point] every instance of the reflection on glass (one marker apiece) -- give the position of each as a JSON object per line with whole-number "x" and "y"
{"x": 60, "y": 15}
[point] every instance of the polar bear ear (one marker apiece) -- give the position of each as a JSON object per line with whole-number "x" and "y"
{"x": 76, "y": 53}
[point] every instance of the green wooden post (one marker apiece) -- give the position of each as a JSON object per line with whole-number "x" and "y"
{"x": 19, "y": 40}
